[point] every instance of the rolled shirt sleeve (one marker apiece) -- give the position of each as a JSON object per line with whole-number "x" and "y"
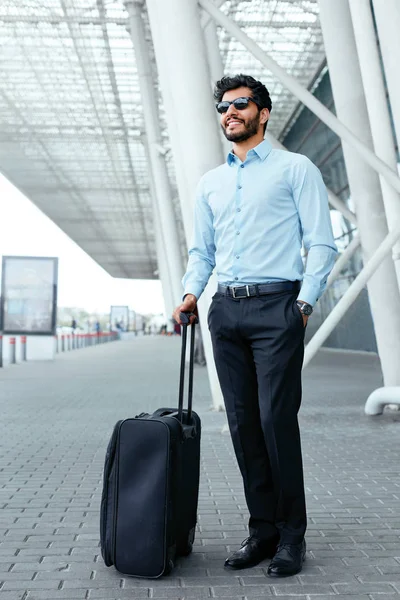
{"x": 202, "y": 248}
{"x": 311, "y": 199}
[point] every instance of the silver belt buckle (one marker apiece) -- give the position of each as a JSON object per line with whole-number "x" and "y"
{"x": 238, "y": 297}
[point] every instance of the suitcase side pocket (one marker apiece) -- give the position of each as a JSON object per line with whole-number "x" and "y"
{"x": 107, "y": 508}
{"x": 144, "y": 534}
{"x": 188, "y": 498}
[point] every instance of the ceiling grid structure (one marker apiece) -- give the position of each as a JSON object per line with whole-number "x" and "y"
{"x": 72, "y": 134}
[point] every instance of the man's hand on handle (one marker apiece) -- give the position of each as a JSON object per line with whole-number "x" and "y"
{"x": 189, "y": 305}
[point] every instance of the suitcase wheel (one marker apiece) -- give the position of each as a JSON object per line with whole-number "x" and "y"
{"x": 170, "y": 564}
{"x": 188, "y": 546}
{"x": 169, "y": 567}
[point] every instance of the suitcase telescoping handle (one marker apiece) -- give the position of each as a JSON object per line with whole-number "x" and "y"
{"x": 185, "y": 319}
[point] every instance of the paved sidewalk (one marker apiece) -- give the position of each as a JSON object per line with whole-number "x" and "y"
{"x": 56, "y": 421}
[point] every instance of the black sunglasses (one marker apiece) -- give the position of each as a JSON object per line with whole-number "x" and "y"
{"x": 238, "y": 103}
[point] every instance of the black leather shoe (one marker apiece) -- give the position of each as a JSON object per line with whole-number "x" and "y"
{"x": 252, "y": 552}
{"x": 288, "y": 560}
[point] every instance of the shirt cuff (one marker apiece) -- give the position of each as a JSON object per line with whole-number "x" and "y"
{"x": 308, "y": 294}
{"x": 194, "y": 289}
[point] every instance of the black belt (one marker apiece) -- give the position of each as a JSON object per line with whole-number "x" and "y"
{"x": 258, "y": 289}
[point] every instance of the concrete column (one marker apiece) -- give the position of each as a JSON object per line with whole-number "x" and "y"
{"x": 364, "y": 184}
{"x": 375, "y": 96}
{"x": 158, "y": 169}
{"x": 195, "y": 139}
{"x": 387, "y": 16}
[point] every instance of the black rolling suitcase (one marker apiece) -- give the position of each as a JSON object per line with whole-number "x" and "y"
{"x": 151, "y": 485}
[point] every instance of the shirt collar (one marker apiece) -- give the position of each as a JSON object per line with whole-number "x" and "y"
{"x": 262, "y": 151}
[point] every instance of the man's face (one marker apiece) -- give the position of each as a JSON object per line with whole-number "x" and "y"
{"x": 240, "y": 125}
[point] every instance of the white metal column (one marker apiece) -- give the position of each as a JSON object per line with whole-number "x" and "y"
{"x": 168, "y": 231}
{"x": 387, "y": 16}
{"x": 162, "y": 262}
{"x": 196, "y": 144}
{"x": 351, "y": 109}
{"x": 213, "y": 52}
{"x": 342, "y": 261}
{"x": 163, "y": 270}
{"x": 378, "y": 111}
{"x": 216, "y": 69}
{"x": 165, "y": 82}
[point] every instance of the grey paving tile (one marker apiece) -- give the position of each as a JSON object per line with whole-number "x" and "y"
{"x": 258, "y": 597}
{"x": 308, "y": 590}
{"x": 172, "y": 593}
{"x": 106, "y": 594}
{"x": 366, "y": 588}
{"x": 57, "y": 594}
{"x": 23, "y": 584}
{"x": 349, "y": 597}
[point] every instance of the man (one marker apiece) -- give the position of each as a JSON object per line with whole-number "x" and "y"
{"x": 251, "y": 216}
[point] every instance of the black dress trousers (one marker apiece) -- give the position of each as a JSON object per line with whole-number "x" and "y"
{"x": 258, "y": 345}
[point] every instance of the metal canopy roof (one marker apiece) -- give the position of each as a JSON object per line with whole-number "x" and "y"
{"x": 71, "y": 123}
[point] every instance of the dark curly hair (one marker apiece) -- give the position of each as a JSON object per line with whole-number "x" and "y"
{"x": 258, "y": 90}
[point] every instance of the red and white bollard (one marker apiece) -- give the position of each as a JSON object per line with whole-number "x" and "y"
{"x": 23, "y": 347}
{"x": 13, "y": 358}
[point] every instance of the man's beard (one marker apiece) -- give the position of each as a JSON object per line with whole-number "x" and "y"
{"x": 250, "y": 129}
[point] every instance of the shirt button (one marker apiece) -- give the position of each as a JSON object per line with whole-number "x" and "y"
{"x": 238, "y": 209}
{"x": 242, "y": 166}
{"x": 239, "y": 187}
{"x": 236, "y": 278}
{"x": 237, "y": 256}
{"x": 238, "y": 233}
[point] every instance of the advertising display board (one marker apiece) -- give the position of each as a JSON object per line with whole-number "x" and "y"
{"x": 29, "y": 295}
{"x": 119, "y": 318}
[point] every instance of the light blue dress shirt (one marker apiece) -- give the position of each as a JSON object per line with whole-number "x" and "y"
{"x": 250, "y": 220}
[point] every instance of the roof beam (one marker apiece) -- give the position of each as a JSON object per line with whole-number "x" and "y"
{"x": 269, "y": 25}
{"x": 72, "y": 19}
